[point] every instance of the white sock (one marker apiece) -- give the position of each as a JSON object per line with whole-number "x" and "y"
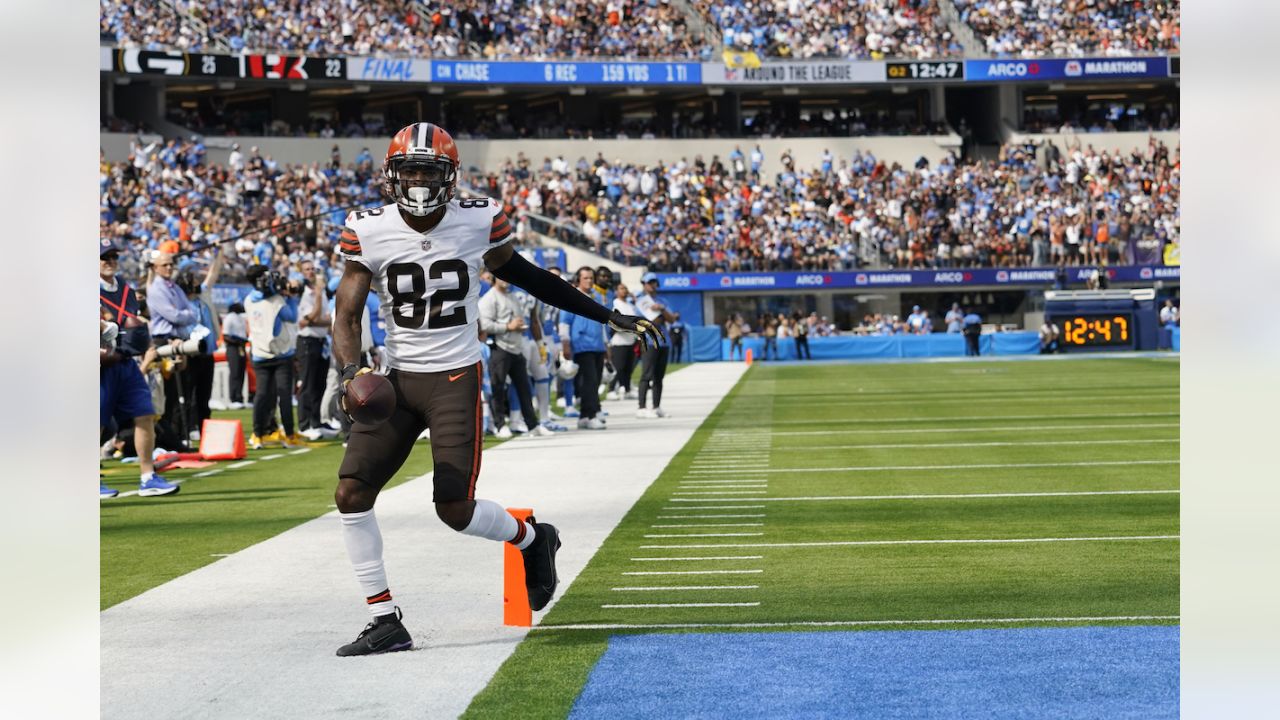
{"x": 364, "y": 547}
{"x": 542, "y": 388}
{"x": 146, "y": 476}
{"x": 490, "y": 521}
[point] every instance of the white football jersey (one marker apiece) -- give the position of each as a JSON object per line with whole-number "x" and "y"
{"x": 429, "y": 283}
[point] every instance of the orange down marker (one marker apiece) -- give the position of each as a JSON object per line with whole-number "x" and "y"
{"x": 515, "y": 597}
{"x": 746, "y": 357}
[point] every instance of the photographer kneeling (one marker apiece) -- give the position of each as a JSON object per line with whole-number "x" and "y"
{"x": 272, "y": 310}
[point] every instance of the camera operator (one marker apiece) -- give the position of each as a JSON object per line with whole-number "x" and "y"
{"x": 272, "y": 310}
{"x": 123, "y": 394}
{"x": 172, "y": 321}
{"x": 198, "y": 381}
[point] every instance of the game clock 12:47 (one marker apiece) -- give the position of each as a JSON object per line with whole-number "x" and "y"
{"x": 1101, "y": 331}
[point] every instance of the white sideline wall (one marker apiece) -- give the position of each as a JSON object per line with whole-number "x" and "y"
{"x": 489, "y": 154}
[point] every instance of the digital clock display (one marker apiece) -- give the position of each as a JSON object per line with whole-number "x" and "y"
{"x": 1096, "y": 330}
{"x": 928, "y": 70}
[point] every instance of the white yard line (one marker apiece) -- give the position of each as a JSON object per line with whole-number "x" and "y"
{"x": 938, "y": 496}
{"x": 958, "y": 541}
{"x": 643, "y": 606}
{"x": 705, "y": 517}
{"x": 981, "y": 466}
{"x": 852, "y": 401}
{"x": 271, "y": 457}
{"x": 686, "y": 587}
{"x": 717, "y": 507}
{"x": 727, "y": 492}
{"x": 207, "y": 473}
{"x": 694, "y": 572}
{"x": 863, "y": 623}
{"x": 694, "y": 535}
{"x": 706, "y": 525}
{"x": 1020, "y": 443}
{"x": 300, "y": 451}
{"x": 1005, "y": 428}
{"x": 242, "y": 463}
{"x": 954, "y": 418}
{"x": 696, "y": 559}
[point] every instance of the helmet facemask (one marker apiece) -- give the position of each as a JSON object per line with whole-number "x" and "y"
{"x": 421, "y": 184}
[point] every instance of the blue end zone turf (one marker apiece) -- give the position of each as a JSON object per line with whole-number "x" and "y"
{"x": 1083, "y": 672}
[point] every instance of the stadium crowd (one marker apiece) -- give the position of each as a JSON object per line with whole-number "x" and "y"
{"x": 871, "y": 29}
{"x": 1032, "y": 206}
{"x": 493, "y": 29}
{"x": 1040, "y": 28}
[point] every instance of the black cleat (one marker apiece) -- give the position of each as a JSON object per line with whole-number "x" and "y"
{"x": 540, "y": 564}
{"x": 385, "y": 634}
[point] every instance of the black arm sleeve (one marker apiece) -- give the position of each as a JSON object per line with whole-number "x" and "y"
{"x": 550, "y": 289}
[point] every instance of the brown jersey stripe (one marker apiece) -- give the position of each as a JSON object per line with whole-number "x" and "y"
{"x": 501, "y": 232}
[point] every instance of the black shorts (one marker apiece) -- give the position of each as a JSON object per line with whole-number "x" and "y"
{"x": 446, "y": 402}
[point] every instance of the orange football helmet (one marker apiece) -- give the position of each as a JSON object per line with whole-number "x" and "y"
{"x": 421, "y": 168}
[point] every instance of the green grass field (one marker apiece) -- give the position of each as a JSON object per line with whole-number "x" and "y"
{"x": 821, "y": 492}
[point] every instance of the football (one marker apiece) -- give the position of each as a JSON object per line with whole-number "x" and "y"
{"x": 370, "y": 399}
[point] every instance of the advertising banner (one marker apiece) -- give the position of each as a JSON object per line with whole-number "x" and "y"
{"x": 867, "y": 279}
{"x": 1065, "y": 69}
{"x": 811, "y": 72}
{"x": 566, "y": 73}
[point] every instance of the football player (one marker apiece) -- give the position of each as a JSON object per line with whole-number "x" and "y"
{"x": 423, "y": 254}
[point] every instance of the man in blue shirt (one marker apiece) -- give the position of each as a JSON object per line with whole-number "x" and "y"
{"x": 972, "y": 332}
{"x": 582, "y": 340}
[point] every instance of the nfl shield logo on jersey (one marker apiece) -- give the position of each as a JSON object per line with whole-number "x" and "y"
{"x": 426, "y": 244}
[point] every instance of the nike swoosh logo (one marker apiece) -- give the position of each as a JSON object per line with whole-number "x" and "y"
{"x": 455, "y": 377}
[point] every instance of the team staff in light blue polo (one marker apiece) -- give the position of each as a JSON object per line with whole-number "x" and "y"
{"x": 582, "y": 340}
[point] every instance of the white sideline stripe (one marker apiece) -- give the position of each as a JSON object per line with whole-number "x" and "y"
{"x": 961, "y": 541}
{"x": 207, "y": 473}
{"x": 242, "y": 463}
{"x": 983, "y": 466}
{"x": 300, "y": 451}
{"x": 718, "y": 507}
{"x": 691, "y": 535}
{"x": 726, "y": 492}
{"x": 690, "y": 559}
{"x": 693, "y": 572}
{"x": 219, "y": 554}
{"x": 641, "y": 606}
{"x": 1023, "y": 443}
{"x": 953, "y": 418}
{"x": 858, "y": 623}
{"x": 686, "y": 587}
{"x": 1005, "y": 428}
{"x": 700, "y": 525}
{"x": 703, "y": 517}
{"x": 946, "y": 496}
{"x": 271, "y": 457}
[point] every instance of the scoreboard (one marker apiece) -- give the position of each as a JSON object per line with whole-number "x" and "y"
{"x": 1099, "y": 320}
